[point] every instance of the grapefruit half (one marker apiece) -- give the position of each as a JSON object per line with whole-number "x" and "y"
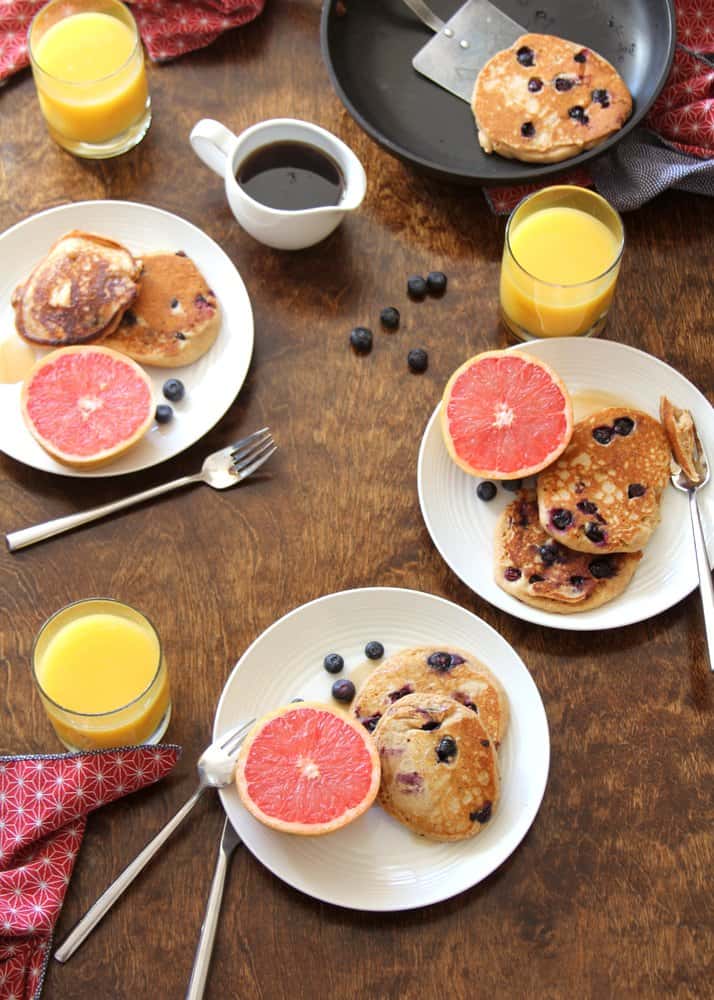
{"x": 307, "y": 769}
{"x": 87, "y": 405}
{"x": 505, "y": 415}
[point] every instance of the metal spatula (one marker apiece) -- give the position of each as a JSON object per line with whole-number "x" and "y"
{"x": 462, "y": 45}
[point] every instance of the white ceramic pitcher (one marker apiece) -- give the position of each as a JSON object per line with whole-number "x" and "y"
{"x": 223, "y": 152}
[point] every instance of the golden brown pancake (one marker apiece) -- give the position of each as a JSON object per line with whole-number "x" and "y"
{"x": 682, "y": 436}
{"x": 603, "y": 494}
{"x": 539, "y": 571}
{"x": 546, "y": 99}
{"x": 77, "y": 293}
{"x": 439, "y": 767}
{"x": 175, "y": 317}
{"x": 434, "y": 670}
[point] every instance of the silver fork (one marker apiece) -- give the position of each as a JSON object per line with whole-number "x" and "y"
{"x": 220, "y": 470}
{"x": 682, "y": 482}
{"x": 215, "y": 769}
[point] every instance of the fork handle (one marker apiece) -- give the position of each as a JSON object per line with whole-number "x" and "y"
{"x": 39, "y": 532}
{"x": 425, "y": 14}
{"x": 94, "y": 914}
{"x": 706, "y": 588}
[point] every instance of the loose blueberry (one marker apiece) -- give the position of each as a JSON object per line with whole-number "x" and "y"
{"x": 343, "y": 690}
{"x": 581, "y": 56}
{"x": 587, "y": 506}
{"x": 636, "y": 490}
{"x": 594, "y": 532}
{"x": 436, "y": 282}
{"x": 512, "y": 574}
{"x": 548, "y": 554}
{"x": 562, "y": 84}
{"x": 418, "y": 360}
{"x": 164, "y": 413}
{"x": 333, "y": 663}
{"x": 527, "y": 130}
{"x": 525, "y": 56}
{"x": 512, "y": 485}
{"x": 174, "y": 389}
{"x": 561, "y": 518}
{"x": 389, "y": 317}
{"x": 416, "y": 287}
{"x": 486, "y": 490}
{"x": 603, "y": 435}
{"x": 535, "y": 578}
{"x": 374, "y": 650}
{"x": 361, "y": 339}
{"x": 446, "y": 749}
{"x": 623, "y": 426}
{"x": 535, "y": 84}
{"x": 482, "y": 815}
{"x": 601, "y": 568}
{"x": 577, "y": 581}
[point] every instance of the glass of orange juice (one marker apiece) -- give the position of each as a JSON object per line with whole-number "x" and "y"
{"x": 88, "y": 65}
{"x": 560, "y": 264}
{"x": 100, "y": 671}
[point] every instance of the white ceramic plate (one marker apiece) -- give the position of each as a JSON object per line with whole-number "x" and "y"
{"x": 212, "y": 382}
{"x": 375, "y": 863}
{"x": 598, "y": 373}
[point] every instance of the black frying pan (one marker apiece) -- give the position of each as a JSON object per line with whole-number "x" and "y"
{"x": 368, "y": 46}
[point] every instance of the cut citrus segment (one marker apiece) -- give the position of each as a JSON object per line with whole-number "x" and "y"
{"x": 307, "y": 769}
{"x": 505, "y": 415}
{"x": 87, "y": 405}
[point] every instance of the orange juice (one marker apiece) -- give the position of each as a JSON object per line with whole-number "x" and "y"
{"x": 90, "y": 75}
{"x": 100, "y": 672}
{"x": 560, "y": 265}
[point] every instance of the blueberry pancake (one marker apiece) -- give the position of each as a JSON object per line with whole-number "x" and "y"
{"x": 434, "y": 670}
{"x": 682, "y": 436}
{"x": 537, "y": 570}
{"x": 78, "y": 292}
{"x": 175, "y": 318}
{"x": 603, "y": 494}
{"x": 439, "y": 767}
{"x": 546, "y": 99}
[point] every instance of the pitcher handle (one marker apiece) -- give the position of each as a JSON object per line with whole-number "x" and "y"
{"x": 212, "y": 142}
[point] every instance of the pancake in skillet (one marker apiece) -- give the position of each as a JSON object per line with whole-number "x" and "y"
{"x": 175, "y": 318}
{"x": 546, "y": 99}
{"x": 539, "y": 571}
{"x": 603, "y": 494}
{"x": 434, "y": 670}
{"x": 77, "y": 293}
{"x": 439, "y": 767}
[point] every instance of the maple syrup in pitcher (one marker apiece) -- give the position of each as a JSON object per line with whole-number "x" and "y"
{"x": 291, "y": 176}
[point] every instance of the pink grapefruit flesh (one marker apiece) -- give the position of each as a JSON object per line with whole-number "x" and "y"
{"x": 307, "y": 769}
{"x": 87, "y": 405}
{"x": 505, "y": 415}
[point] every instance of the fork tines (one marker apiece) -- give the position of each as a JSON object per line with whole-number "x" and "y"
{"x": 250, "y": 453}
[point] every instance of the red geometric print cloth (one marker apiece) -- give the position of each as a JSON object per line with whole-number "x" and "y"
{"x": 44, "y": 801}
{"x": 168, "y": 28}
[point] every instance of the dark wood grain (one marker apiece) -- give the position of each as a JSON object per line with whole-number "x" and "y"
{"x": 610, "y": 893}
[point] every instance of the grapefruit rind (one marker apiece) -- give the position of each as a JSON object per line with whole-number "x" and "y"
{"x": 52, "y": 413}
{"x": 533, "y": 456}
{"x": 258, "y": 772}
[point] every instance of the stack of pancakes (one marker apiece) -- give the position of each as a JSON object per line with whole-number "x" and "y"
{"x": 574, "y": 543}
{"x": 87, "y": 289}
{"x": 438, "y": 717}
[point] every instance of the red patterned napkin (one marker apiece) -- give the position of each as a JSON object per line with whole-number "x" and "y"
{"x": 169, "y": 28}
{"x": 44, "y": 802}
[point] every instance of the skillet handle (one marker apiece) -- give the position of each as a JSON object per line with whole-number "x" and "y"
{"x": 427, "y": 16}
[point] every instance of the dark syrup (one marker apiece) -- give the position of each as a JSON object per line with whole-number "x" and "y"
{"x": 291, "y": 176}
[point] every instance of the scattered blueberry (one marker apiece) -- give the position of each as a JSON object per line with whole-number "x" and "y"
{"x": 390, "y": 317}
{"x": 374, "y": 650}
{"x": 512, "y": 485}
{"x": 361, "y": 339}
{"x": 603, "y": 435}
{"x": 594, "y": 532}
{"x": 601, "y": 568}
{"x": 587, "y": 506}
{"x": 527, "y": 130}
{"x": 623, "y": 426}
{"x": 535, "y": 84}
{"x": 561, "y": 518}
{"x": 416, "y": 286}
{"x": 163, "y": 413}
{"x": 482, "y": 815}
{"x": 636, "y": 490}
{"x": 548, "y": 554}
{"x": 436, "y": 282}
{"x": 525, "y": 56}
{"x": 535, "y": 578}
{"x": 512, "y": 574}
{"x": 581, "y": 56}
{"x": 446, "y": 749}
{"x": 333, "y": 663}
{"x": 563, "y": 84}
{"x": 486, "y": 490}
{"x": 343, "y": 690}
{"x": 174, "y": 389}
{"x": 418, "y": 360}
{"x": 601, "y": 97}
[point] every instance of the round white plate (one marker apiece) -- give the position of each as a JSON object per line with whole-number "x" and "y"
{"x": 598, "y": 373}
{"x": 375, "y": 863}
{"x": 212, "y": 382}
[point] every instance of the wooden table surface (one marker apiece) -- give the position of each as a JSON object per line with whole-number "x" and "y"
{"x": 609, "y": 894}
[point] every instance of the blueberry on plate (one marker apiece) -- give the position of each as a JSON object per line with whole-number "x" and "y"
{"x": 174, "y": 389}
{"x": 361, "y": 339}
{"x": 374, "y": 650}
{"x": 416, "y": 286}
{"x": 418, "y": 360}
{"x": 512, "y": 485}
{"x": 333, "y": 663}
{"x": 343, "y": 690}
{"x": 486, "y": 490}
{"x": 164, "y": 413}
